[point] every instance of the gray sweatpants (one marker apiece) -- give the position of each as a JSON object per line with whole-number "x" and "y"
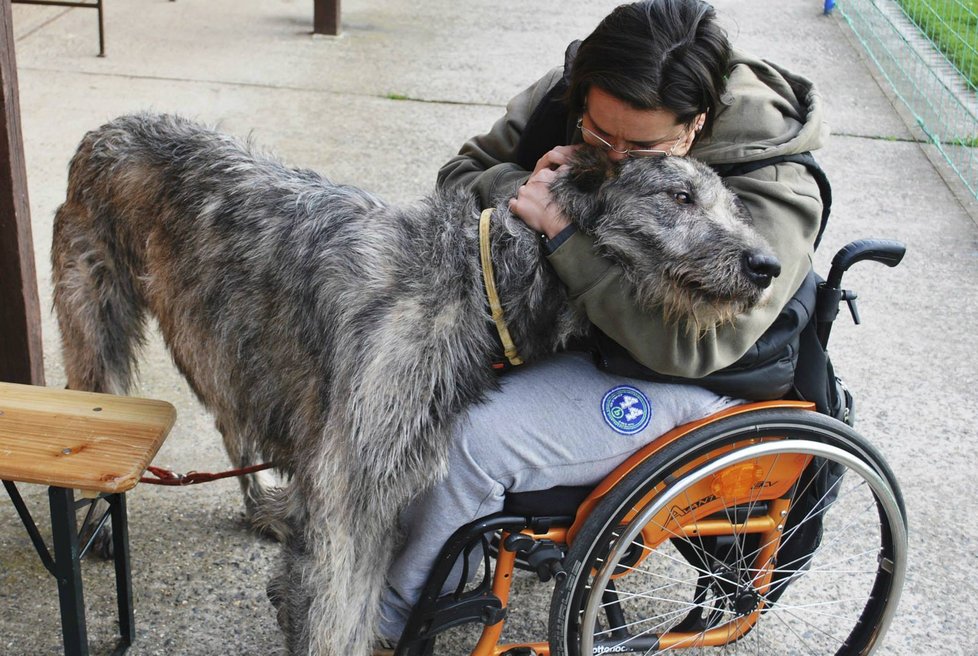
{"x": 556, "y": 422}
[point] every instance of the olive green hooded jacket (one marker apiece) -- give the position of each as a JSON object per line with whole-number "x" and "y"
{"x": 765, "y": 112}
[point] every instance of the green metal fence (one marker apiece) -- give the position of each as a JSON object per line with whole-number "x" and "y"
{"x": 928, "y": 50}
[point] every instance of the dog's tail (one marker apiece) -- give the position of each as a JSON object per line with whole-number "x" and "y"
{"x": 97, "y": 296}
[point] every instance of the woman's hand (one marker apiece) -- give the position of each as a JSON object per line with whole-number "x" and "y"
{"x": 554, "y": 159}
{"x": 533, "y": 203}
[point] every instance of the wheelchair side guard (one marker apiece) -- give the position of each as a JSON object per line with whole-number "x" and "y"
{"x": 658, "y": 444}
{"x": 763, "y": 487}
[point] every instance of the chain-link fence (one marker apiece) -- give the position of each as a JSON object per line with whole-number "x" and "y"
{"x": 928, "y": 50}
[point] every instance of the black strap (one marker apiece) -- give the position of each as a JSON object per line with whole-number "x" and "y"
{"x": 807, "y": 160}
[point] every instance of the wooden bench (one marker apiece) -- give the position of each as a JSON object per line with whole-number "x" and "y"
{"x": 99, "y": 444}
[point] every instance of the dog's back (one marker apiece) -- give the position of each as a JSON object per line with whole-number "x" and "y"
{"x": 145, "y": 189}
{"x": 163, "y": 216}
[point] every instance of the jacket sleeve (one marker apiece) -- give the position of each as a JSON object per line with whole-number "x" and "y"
{"x": 484, "y": 164}
{"x": 786, "y": 208}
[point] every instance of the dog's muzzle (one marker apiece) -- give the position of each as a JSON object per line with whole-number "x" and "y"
{"x": 761, "y": 268}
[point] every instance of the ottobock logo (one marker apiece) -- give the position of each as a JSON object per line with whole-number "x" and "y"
{"x": 626, "y": 409}
{"x": 617, "y": 649}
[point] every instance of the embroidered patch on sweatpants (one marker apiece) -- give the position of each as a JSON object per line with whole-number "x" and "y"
{"x": 626, "y": 409}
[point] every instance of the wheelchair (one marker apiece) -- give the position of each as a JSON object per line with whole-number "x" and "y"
{"x": 768, "y": 528}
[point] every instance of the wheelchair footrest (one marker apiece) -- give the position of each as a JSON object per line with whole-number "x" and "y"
{"x": 483, "y": 607}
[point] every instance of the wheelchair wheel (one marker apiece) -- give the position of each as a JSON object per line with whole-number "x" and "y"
{"x": 769, "y": 532}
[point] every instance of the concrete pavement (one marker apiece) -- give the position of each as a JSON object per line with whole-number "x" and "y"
{"x": 382, "y": 107}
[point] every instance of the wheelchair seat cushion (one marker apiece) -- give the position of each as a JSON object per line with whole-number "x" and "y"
{"x": 560, "y": 500}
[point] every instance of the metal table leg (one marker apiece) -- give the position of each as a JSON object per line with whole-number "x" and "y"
{"x": 67, "y": 570}
{"x": 123, "y": 571}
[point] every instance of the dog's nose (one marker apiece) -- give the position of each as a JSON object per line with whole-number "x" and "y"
{"x": 761, "y": 268}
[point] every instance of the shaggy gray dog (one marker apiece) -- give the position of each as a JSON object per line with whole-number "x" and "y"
{"x": 342, "y": 337}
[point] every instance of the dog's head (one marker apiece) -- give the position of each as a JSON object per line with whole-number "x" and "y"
{"x": 684, "y": 240}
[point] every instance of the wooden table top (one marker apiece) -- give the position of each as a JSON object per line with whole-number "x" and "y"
{"x": 79, "y": 440}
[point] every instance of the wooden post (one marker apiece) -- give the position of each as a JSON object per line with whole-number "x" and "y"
{"x": 20, "y": 314}
{"x": 326, "y": 17}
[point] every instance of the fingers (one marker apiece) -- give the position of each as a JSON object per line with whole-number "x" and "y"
{"x": 545, "y": 176}
{"x": 555, "y": 158}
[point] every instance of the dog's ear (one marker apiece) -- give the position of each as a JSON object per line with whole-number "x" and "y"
{"x": 590, "y": 169}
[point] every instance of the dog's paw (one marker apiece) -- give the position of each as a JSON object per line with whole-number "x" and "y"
{"x": 266, "y": 513}
{"x": 269, "y": 527}
{"x": 276, "y": 591}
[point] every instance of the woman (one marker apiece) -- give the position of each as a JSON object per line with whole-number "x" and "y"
{"x": 655, "y": 78}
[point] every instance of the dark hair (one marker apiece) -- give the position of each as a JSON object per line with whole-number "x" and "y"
{"x": 655, "y": 54}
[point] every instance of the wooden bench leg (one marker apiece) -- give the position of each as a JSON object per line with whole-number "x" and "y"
{"x": 67, "y": 570}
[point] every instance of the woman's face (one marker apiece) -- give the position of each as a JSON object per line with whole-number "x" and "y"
{"x": 608, "y": 121}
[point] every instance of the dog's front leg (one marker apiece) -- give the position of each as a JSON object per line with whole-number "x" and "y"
{"x": 334, "y": 565}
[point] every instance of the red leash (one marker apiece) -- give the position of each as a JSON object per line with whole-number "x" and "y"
{"x": 167, "y": 477}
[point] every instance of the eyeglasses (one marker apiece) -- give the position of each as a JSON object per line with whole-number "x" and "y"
{"x": 629, "y": 152}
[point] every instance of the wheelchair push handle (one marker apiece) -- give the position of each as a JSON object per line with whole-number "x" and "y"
{"x": 830, "y": 292}
{"x": 884, "y": 251}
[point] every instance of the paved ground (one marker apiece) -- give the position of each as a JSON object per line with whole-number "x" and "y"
{"x": 381, "y": 107}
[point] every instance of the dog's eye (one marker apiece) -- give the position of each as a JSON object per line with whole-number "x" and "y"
{"x": 682, "y": 198}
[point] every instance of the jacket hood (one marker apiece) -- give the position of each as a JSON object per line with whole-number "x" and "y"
{"x": 766, "y": 111}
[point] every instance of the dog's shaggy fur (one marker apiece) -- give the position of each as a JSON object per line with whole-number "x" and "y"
{"x": 342, "y": 337}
